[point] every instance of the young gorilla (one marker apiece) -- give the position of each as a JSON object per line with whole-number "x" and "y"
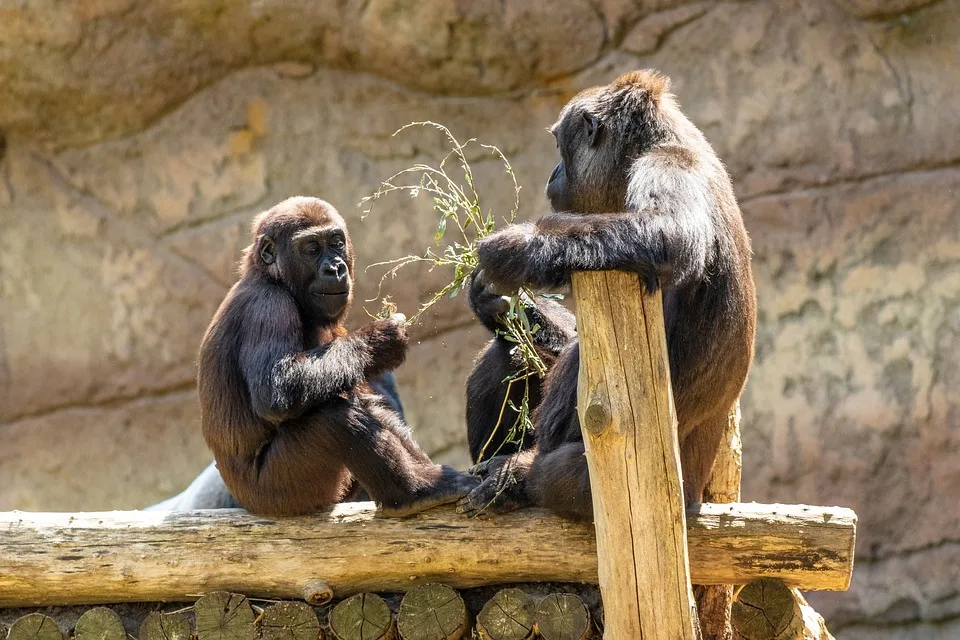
{"x": 638, "y": 189}
{"x": 286, "y": 405}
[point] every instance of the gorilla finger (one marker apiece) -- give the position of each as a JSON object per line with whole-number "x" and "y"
{"x": 480, "y": 469}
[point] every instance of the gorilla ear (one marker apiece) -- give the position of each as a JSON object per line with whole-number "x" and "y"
{"x": 592, "y": 126}
{"x": 267, "y": 250}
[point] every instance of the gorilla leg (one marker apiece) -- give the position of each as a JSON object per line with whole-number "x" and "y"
{"x": 698, "y": 453}
{"x": 511, "y": 482}
{"x": 312, "y": 462}
{"x": 559, "y": 480}
{"x": 207, "y": 491}
{"x": 489, "y": 414}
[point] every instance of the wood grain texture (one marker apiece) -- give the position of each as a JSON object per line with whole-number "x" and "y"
{"x": 629, "y": 424}
{"x": 432, "y": 612}
{"x": 364, "y": 616}
{"x": 562, "y": 616}
{"x": 35, "y": 626}
{"x": 508, "y": 615}
{"x": 289, "y": 621}
{"x": 146, "y": 556}
{"x": 714, "y": 601}
{"x": 99, "y": 623}
{"x": 769, "y": 610}
{"x": 165, "y": 626}
{"x": 224, "y": 616}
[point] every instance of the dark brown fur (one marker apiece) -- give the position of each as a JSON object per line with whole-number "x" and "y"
{"x": 286, "y": 405}
{"x": 638, "y": 189}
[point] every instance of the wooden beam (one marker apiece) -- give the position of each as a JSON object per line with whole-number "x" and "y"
{"x": 714, "y": 601}
{"x": 144, "y": 556}
{"x": 630, "y": 429}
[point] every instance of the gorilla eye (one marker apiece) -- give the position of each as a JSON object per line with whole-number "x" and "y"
{"x": 337, "y": 242}
{"x": 311, "y": 248}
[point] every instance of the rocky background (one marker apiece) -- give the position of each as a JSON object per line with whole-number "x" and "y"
{"x": 138, "y": 138}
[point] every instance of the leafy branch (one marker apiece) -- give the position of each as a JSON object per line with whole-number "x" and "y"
{"x": 462, "y": 224}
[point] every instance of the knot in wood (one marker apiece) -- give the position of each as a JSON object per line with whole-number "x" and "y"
{"x": 317, "y": 593}
{"x": 597, "y": 418}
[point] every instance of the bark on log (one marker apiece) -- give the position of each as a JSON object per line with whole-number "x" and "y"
{"x": 563, "y": 616}
{"x": 146, "y": 556}
{"x": 364, "y": 616}
{"x": 508, "y": 615}
{"x": 165, "y": 626}
{"x": 99, "y": 623}
{"x": 224, "y": 616}
{"x": 35, "y": 626}
{"x": 714, "y": 601}
{"x": 432, "y": 612}
{"x": 630, "y": 430}
{"x": 770, "y": 610}
{"x": 289, "y": 621}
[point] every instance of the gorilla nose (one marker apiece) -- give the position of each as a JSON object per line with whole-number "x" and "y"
{"x": 335, "y": 269}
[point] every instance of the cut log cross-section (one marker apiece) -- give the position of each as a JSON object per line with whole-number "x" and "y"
{"x": 364, "y": 616}
{"x": 99, "y": 623}
{"x": 432, "y": 612}
{"x": 35, "y": 626}
{"x": 165, "y": 626}
{"x": 507, "y": 616}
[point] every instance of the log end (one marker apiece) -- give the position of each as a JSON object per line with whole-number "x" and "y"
{"x": 289, "y": 621}
{"x": 432, "y": 612}
{"x": 35, "y": 626}
{"x": 562, "y": 616}
{"x": 317, "y": 593}
{"x": 224, "y": 616}
{"x": 165, "y": 626}
{"x": 100, "y": 623}
{"x": 767, "y": 610}
{"x": 364, "y": 616}
{"x": 509, "y": 615}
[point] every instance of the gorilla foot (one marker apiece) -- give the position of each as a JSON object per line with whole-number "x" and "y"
{"x": 450, "y": 487}
{"x": 497, "y": 494}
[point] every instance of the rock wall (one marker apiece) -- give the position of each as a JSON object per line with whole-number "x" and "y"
{"x": 138, "y": 139}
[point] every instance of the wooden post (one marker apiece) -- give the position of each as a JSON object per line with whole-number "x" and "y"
{"x": 714, "y": 601}
{"x": 629, "y": 425}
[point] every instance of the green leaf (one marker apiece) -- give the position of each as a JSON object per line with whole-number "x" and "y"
{"x": 522, "y": 313}
{"x": 441, "y": 228}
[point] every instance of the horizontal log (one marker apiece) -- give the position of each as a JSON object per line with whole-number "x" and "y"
{"x": 143, "y": 556}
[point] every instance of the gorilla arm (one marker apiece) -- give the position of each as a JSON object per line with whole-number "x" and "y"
{"x": 557, "y": 325}
{"x": 285, "y": 381}
{"x": 668, "y": 238}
